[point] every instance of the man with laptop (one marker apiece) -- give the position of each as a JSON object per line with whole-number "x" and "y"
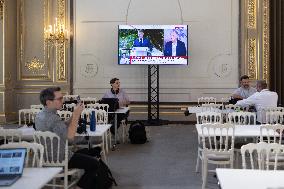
{"x": 117, "y": 93}
{"x": 48, "y": 120}
{"x": 11, "y": 165}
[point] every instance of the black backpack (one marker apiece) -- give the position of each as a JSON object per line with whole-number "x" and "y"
{"x": 137, "y": 133}
{"x": 103, "y": 178}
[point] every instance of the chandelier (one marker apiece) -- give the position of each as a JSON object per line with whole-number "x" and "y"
{"x": 56, "y": 34}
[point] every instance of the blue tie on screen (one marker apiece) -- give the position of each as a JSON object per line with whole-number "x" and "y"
{"x": 141, "y": 43}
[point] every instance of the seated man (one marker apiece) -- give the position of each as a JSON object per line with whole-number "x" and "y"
{"x": 48, "y": 120}
{"x": 117, "y": 92}
{"x": 245, "y": 90}
{"x": 263, "y": 98}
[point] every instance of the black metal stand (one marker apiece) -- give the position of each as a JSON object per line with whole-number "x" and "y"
{"x": 153, "y": 95}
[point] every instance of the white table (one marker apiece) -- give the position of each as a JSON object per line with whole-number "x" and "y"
{"x": 123, "y": 110}
{"x": 34, "y": 178}
{"x": 101, "y": 130}
{"x": 252, "y": 179}
{"x": 241, "y": 131}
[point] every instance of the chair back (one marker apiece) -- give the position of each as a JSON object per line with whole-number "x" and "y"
{"x": 51, "y": 143}
{"x": 208, "y": 117}
{"x": 98, "y": 106}
{"x": 34, "y": 154}
{"x": 69, "y": 107}
{"x": 212, "y": 107}
{"x": 273, "y": 117}
{"x": 206, "y": 100}
{"x": 261, "y": 155}
{"x": 64, "y": 115}
{"x": 37, "y": 106}
{"x": 256, "y": 155}
{"x": 88, "y": 100}
{"x": 242, "y": 118}
{"x": 218, "y": 138}
{"x": 10, "y": 135}
{"x": 69, "y": 97}
{"x": 101, "y": 115}
{"x": 271, "y": 133}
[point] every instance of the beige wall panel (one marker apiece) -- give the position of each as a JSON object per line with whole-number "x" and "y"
{"x": 25, "y": 99}
{"x": 102, "y": 11}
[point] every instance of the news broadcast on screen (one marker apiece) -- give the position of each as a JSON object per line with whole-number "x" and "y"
{"x": 152, "y": 44}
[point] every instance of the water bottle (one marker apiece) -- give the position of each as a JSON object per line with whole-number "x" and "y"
{"x": 93, "y": 121}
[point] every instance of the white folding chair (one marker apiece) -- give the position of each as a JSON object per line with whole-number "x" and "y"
{"x": 256, "y": 153}
{"x": 88, "y": 100}
{"x": 218, "y": 146}
{"x": 262, "y": 155}
{"x": 10, "y": 135}
{"x": 64, "y": 115}
{"x": 34, "y": 156}
{"x": 206, "y": 100}
{"x": 70, "y": 97}
{"x": 37, "y": 106}
{"x": 205, "y": 117}
{"x": 242, "y": 118}
{"x": 53, "y": 158}
{"x": 271, "y": 133}
{"x": 273, "y": 117}
{"x": 69, "y": 107}
{"x": 101, "y": 118}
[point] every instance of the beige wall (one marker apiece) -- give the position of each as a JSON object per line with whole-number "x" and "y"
{"x": 213, "y": 47}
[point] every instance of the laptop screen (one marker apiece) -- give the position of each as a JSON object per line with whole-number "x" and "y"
{"x": 12, "y": 161}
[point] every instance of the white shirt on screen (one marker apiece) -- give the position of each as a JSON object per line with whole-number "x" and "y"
{"x": 262, "y": 99}
{"x": 174, "y": 49}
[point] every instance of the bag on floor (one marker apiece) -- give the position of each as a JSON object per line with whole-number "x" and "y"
{"x": 137, "y": 133}
{"x": 103, "y": 178}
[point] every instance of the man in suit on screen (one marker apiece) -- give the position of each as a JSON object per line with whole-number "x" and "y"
{"x": 142, "y": 41}
{"x": 175, "y": 47}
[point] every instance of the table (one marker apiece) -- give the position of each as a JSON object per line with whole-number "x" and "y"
{"x": 241, "y": 131}
{"x": 247, "y": 178}
{"x": 123, "y": 110}
{"x": 101, "y": 129}
{"x": 34, "y": 178}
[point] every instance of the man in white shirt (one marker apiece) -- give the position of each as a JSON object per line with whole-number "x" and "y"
{"x": 263, "y": 98}
{"x": 245, "y": 90}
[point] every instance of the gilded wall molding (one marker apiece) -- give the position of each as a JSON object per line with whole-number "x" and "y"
{"x": 252, "y": 62}
{"x": 23, "y": 72}
{"x": 2, "y": 4}
{"x": 255, "y": 39}
{"x": 251, "y": 13}
{"x": 61, "y": 64}
{"x": 266, "y": 42}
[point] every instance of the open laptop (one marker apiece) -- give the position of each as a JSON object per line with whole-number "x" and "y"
{"x": 11, "y": 165}
{"x": 112, "y": 102}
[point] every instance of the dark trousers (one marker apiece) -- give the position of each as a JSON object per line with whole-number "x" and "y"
{"x": 85, "y": 159}
{"x": 120, "y": 117}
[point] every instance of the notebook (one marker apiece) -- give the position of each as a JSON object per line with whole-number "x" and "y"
{"x": 112, "y": 102}
{"x": 11, "y": 165}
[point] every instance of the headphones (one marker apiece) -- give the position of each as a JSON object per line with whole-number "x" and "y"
{"x": 114, "y": 92}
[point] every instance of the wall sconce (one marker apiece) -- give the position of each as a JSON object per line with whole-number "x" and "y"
{"x": 56, "y": 34}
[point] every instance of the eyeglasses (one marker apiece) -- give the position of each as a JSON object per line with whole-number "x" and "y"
{"x": 59, "y": 98}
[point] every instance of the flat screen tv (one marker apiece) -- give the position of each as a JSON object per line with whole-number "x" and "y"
{"x": 153, "y": 44}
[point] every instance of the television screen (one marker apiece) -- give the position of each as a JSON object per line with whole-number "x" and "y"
{"x": 153, "y": 44}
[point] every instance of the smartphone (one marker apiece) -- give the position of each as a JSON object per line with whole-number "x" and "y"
{"x": 78, "y": 99}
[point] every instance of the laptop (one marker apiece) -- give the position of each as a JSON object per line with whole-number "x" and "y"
{"x": 112, "y": 102}
{"x": 11, "y": 165}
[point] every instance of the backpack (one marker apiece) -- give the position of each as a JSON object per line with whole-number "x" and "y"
{"x": 103, "y": 178}
{"x": 137, "y": 133}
